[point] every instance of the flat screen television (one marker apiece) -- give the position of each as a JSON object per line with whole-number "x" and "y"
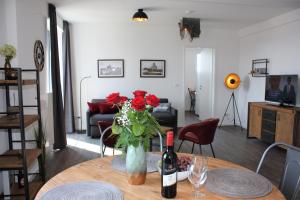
{"x": 282, "y": 89}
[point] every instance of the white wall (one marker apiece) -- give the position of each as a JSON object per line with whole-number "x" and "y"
{"x": 278, "y": 40}
{"x": 31, "y": 25}
{"x": 133, "y": 42}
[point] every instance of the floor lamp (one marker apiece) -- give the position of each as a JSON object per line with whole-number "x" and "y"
{"x": 232, "y": 81}
{"x": 80, "y": 106}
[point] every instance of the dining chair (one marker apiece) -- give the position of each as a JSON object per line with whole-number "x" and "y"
{"x": 290, "y": 180}
{"x": 106, "y": 139}
{"x": 160, "y": 141}
{"x": 201, "y": 133}
{"x": 192, "y": 94}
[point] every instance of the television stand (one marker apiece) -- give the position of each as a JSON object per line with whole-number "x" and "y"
{"x": 282, "y": 105}
{"x": 286, "y": 105}
{"x": 273, "y": 123}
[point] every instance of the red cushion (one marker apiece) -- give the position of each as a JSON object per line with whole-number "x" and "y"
{"x": 107, "y": 108}
{"x": 93, "y": 107}
{"x": 192, "y": 137}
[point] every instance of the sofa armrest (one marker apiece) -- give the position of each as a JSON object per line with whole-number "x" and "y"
{"x": 88, "y": 126}
{"x": 174, "y": 112}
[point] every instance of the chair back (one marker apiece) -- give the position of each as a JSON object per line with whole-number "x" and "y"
{"x": 107, "y": 138}
{"x": 204, "y": 130}
{"x": 290, "y": 182}
{"x": 207, "y": 129}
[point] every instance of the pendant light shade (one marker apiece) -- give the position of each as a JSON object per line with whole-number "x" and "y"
{"x": 140, "y": 16}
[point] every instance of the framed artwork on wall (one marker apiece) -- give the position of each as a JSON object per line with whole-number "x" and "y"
{"x": 110, "y": 68}
{"x": 153, "y": 68}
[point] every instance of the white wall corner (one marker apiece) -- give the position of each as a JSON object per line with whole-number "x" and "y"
{"x": 271, "y": 23}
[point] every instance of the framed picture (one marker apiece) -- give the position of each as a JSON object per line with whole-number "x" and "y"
{"x": 108, "y": 68}
{"x": 153, "y": 68}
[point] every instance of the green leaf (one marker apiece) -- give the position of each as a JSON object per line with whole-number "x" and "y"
{"x": 116, "y": 129}
{"x": 138, "y": 129}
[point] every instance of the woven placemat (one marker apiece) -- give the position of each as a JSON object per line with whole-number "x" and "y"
{"x": 92, "y": 190}
{"x": 237, "y": 183}
{"x": 119, "y": 163}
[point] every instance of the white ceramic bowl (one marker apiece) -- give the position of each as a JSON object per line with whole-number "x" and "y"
{"x": 180, "y": 175}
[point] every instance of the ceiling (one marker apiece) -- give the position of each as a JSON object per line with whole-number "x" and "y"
{"x": 234, "y": 14}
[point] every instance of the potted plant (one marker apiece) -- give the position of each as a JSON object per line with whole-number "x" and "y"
{"x": 8, "y": 52}
{"x": 135, "y": 126}
{"x": 41, "y": 139}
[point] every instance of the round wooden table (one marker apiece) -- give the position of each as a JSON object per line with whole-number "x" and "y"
{"x": 100, "y": 169}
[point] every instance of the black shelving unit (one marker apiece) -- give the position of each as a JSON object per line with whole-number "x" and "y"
{"x": 23, "y": 158}
{"x": 264, "y": 66}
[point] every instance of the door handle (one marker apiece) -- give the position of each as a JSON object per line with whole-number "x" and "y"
{"x": 278, "y": 117}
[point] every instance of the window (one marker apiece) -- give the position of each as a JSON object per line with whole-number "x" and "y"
{"x": 48, "y": 60}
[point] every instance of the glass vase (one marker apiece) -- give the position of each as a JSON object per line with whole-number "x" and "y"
{"x": 136, "y": 164}
{"x": 7, "y": 64}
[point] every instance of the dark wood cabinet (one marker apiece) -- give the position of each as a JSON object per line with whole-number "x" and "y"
{"x": 272, "y": 123}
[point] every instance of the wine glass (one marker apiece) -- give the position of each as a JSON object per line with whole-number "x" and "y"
{"x": 198, "y": 174}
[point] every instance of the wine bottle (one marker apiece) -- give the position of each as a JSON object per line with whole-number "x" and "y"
{"x": 169, "y": 169}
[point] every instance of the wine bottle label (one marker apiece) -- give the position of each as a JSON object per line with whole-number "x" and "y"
{"x": 169, "y": 179}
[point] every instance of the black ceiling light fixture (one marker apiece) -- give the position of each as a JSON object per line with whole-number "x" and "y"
{"x": 140, "y": 16}
{"x": 191, "y": 27}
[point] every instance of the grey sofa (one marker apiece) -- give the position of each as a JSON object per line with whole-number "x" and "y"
{"x": 168, "y": 118}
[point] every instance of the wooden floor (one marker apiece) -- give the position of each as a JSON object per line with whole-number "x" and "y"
{"x": 230, "y": 144}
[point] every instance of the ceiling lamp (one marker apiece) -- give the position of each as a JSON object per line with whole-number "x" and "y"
{"x": 191, "y": 27}
{"x": 232, "y": 81}
{"x": 140, "y": 16}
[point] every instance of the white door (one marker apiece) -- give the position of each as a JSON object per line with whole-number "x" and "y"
{"x": 205, "y": 80}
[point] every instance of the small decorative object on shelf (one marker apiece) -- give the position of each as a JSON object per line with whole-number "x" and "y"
{"x": 40, "y": 136}
{"x": 13, "y": 111}
{"x": 39, "y": 55}
{"x": 259, "y": 68}
{"x": 8, "y": 52}
{"x": 20, "y": 179}
{"x": 135, "y": 126}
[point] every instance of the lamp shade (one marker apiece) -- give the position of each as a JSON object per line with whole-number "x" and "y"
{"x": 140, "y": 16}
{"x": 232, "y": 81}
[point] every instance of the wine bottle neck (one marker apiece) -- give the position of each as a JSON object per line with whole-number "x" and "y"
{"x": 170, "y": 139}
{"x": 170, "y": 148}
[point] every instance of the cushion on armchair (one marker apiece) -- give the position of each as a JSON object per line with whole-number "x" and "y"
{"x": 107, "y": 108}
{"x": 162, "y": 107}
{"x": 102, "y": 107}
{"x": 93, "y": 107}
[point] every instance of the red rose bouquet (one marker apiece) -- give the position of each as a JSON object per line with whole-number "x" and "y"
{"x": 134, "y": 123}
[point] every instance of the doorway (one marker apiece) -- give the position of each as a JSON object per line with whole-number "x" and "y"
{"x": 199, "y": 80}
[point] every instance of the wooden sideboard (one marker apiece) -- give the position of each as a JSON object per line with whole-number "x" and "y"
{"x": 272, "y": 123}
